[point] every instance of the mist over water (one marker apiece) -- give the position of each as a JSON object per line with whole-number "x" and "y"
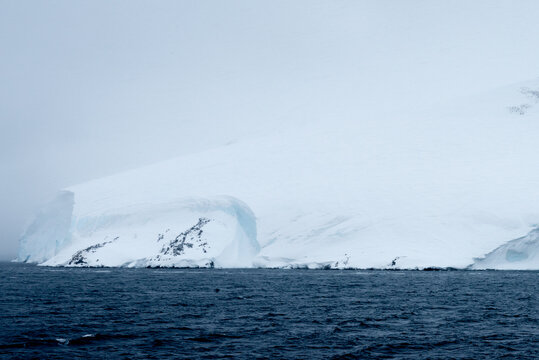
{"x": 92, "y": 88}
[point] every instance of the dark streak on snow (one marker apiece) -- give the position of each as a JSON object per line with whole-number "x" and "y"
{"x": 523, "y": 108}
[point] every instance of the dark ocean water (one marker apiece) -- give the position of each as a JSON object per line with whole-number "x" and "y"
{"x": 176, "y": 313}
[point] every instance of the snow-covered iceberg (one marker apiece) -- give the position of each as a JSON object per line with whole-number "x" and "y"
{"x": 438, "y": 188}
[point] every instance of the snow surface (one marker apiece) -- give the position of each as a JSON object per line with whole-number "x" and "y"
{"x": 440, "y": 187}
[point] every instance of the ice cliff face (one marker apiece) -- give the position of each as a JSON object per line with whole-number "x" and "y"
{"x": 49, "y": 231}
{"x": 438, "y": 188}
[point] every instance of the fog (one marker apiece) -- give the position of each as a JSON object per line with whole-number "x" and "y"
{"x": 90, "y": 88}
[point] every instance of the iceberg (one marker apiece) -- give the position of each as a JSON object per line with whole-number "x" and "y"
{"x": 439, "y": 188}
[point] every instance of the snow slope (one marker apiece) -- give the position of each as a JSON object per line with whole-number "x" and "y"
{"x": 439, "y": 187}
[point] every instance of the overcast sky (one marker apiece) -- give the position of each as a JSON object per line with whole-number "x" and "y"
{"x": 89, "y": 88}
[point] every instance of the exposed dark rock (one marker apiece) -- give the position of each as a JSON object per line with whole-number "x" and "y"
{"x": 79, "y": 258}
{"x": 188, "y": 239}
